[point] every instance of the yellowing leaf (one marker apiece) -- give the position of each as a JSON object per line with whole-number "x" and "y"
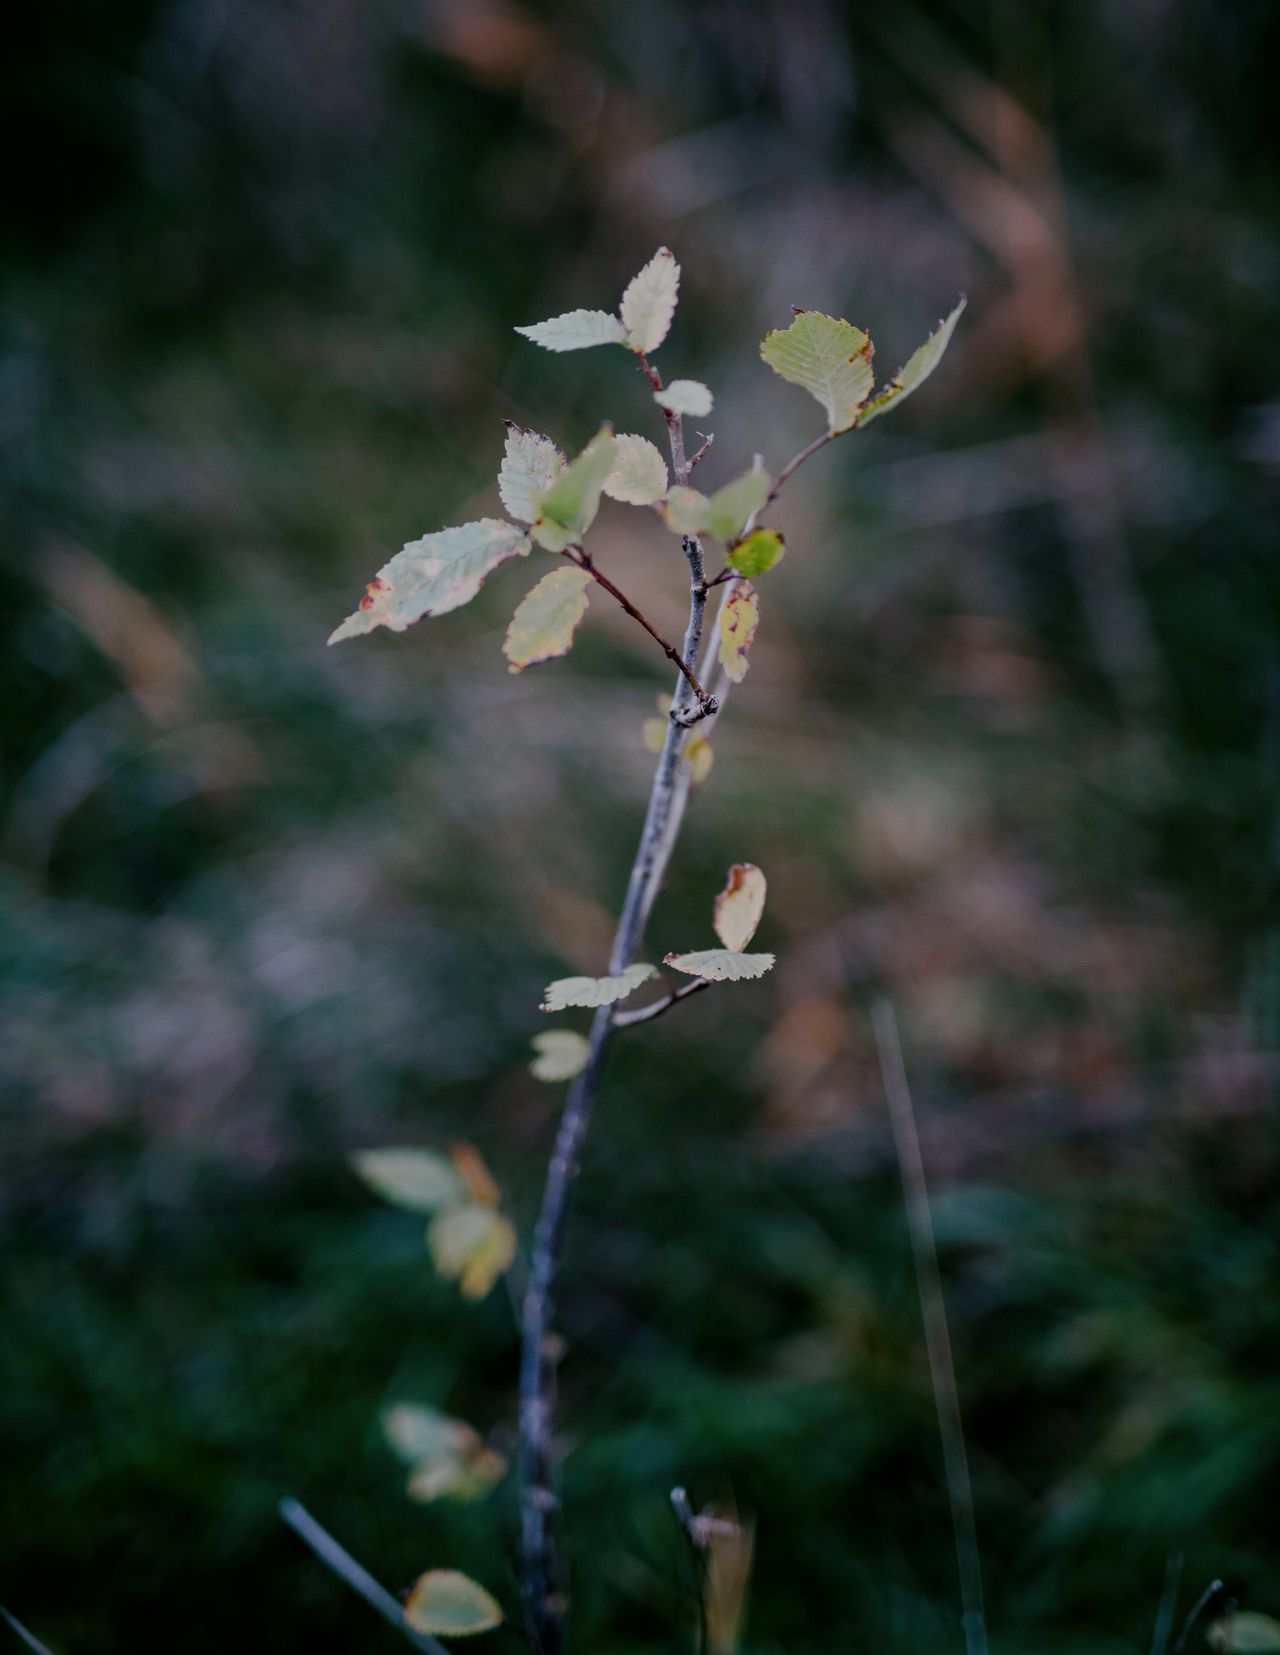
{"x": 685, "y": 510}
{"x": 1245, "y": 1633}
{"x": 919, "y": 365}
{"x": 758, "y": 553}
{"x": 530, "y": 465}
{"x": 561, "y": 1054}
{"x": 654, "y": 733}
{"x": 740, "y": 905}
{"x": 649, "y": 302}
{"x": 830, "y": 359}
{"x": 595, "y": 991}
{"x": 447, "y": 1604}
{"x": 433, "y": 575}
{"x": 413, "y": 1178}
{"x": 685, "y": 396}
{"x": 701, "y": 757}
{"x": 639, "y": 475}
{"x": 738, "y": 622}
{"x": 721, "y": 965}
{"x": 447, "y": 1458}
{"x": 472, "y": 1245}
{"x": 730, "y": 507}
{"x": 546, "y": 619}
{"x": 569, "y": 507}
{"x": 576, "y": 330}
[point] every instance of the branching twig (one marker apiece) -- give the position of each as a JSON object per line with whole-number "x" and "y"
{"x": 937, "y": 1337}
{"x": 1212, "y": 1592}
{"x": 583, "y": 559}
{"x": 646, "y": 1014}
{"x": 334, "y": 1557}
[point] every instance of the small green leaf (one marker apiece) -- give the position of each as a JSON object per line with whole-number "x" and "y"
{"x": 1245, "y": 1633}
{"x": 649, "y": 302}
{"x": 721, "y": 965}
{"x": 685, "y": 510}
{"x": 700, "y": 756}
{"x": 472, "y": 1245}
{"x": 576, "y": 330}
{"x": 740, "y": 906}
{"x": 547, "y": 618}
{"x": 685, "y": 396}
{"x": 433, "y": 575}
{"x": 447, "y": 1604}
{"x": 738, "y": 622}
{"x": 594, "y": 991}
{"x": 561, "y": 1054}
{"x": 530, "y": 465}
{"x": 639, "y": 475}
{"x": 731, "y": 507}
{"x": 413, "y": 1178}
{"x": 758, "y": 553}
{"x": 569, "y": 507}
{"x": 829, "y": 358}
{"x": 919, "y": 365}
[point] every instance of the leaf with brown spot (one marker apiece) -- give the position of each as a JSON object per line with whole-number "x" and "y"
{"x": 433, "y": 575}
{"x": 829, "y": 358}
{"x": 738, "y": 625}
{"x": 740, "y": 906}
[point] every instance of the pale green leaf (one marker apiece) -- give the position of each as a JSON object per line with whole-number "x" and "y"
{"x": 740, "y": 905}
{"x": 1245, "y": 1633}
{"x": 685, "y": 510}
{"x": 413, "y": 1178}
{"x": 569, "y": 507}
{"x": 721, "y": 965}
{"x": 561, "y": 1054}
{"x": 447, "y": 1604}
{"x": 653, "y": 732}
{"x": 530, "y": 465}
{"x": 919, "y": 365}
{"x": 576, "y": 330}
{"x": 595, "y": 991}
{"x": 649, "y": 302}
{"x": 730, "y": 507}
{"x": 433, "y": 575}
{"x": 830, "y": 359}
{"x": 685, "y": 396}
{"x": 416, "y": 1433}
{"x": 639, "y": 475}
{"x": 547, "y": 618}
{"x": 738, "y": 622}
{"x": 472, "y": 1245}
{"x": 758, "y": 553}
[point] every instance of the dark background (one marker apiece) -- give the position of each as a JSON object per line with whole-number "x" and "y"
{"x": 1006, "y": 752}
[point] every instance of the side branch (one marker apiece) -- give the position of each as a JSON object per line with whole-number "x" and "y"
{"x": 646, "y": 1014}
{"x": 583, "y": 559}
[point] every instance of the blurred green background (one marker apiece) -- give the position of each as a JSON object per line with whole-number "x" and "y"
{"x": 1007, "y": 753}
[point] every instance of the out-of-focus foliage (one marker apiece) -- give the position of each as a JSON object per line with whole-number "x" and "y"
{"x": 1007, "y": 749}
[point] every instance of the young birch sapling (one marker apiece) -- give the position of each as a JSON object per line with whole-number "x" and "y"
{"x": 551, "y": 504}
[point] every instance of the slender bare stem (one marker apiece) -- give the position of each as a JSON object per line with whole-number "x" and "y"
{"x": 646, "y": 1014}
{"x": 334, "y": 1557}
{"x": 544, "y": 1586}
{"x": 937, "y": 1336}
{"x": 580, "y": 556}
{"x": 28, "y": 1638}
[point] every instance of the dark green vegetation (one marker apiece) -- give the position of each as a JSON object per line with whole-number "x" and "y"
{"x": 1007, "y": 752}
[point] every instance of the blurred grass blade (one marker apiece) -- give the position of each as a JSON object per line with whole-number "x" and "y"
{"x": 937, "y": 1336}
{"x": 28, "y": 1638}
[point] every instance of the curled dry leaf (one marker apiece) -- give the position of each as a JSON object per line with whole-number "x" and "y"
{"x": 740, "y": 905}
